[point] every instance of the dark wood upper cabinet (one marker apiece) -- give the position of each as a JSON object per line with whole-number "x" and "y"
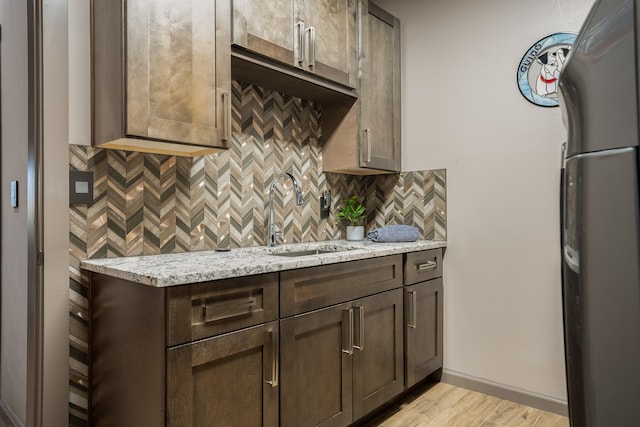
{"x": 161, "y": 75}
{"x": 318, "y": 37}
{"x": 364, "y": 138}
{"x": 380, "y": 91}
{"x": 265, "y": 27}
{"x": 330, "y": 39}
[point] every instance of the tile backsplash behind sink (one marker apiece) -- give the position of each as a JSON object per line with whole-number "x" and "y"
{"x": 151, "y": 204}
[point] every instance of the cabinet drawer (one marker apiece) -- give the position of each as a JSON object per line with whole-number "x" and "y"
{"x": 423, "y": 265}
{"x": 206, "y": 309}
{"x": 312, "y": 288}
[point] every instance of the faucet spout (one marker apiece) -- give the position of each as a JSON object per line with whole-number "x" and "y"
{"x": 271, "y": 228}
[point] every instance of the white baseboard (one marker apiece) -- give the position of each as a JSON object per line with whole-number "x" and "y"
{"x": 505, "y": 392}
{"x": 12, "y": 417}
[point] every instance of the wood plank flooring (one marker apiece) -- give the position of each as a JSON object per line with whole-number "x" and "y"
{"x": 444, "y": 405}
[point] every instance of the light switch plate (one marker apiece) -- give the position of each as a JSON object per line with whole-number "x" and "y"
{"x": 80, "y": 187}
{"x": 14, "y": 194}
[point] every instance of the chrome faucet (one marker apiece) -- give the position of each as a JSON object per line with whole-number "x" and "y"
{"x": 271, "y": 227}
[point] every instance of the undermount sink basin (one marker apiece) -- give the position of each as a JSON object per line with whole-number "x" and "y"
{"x": 308, "y": 252}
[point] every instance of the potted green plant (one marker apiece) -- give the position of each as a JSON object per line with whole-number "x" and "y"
{"x": 352, "y": 211}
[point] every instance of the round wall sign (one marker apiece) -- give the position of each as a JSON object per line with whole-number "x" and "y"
{"x": 540, "y": 68}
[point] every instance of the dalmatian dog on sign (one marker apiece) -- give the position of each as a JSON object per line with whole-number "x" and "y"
{"x": 552, "y": 63}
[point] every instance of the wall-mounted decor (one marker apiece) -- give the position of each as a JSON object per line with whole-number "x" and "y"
{"x": 540, "y": 68}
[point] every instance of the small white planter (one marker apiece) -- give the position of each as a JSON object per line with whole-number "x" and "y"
{"x": 355, "y": 232}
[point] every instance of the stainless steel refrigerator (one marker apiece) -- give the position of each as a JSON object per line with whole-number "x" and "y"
{"x": 599, "y": 95}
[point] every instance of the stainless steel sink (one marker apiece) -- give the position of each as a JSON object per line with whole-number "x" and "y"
{"x": 308, "y": 252}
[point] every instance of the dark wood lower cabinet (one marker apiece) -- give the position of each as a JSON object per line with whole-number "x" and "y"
{"x": 228, "y": 380}
{"x": 378, "y": 368}
{"x": 204, "y": 354}
{"x": 316, "y": 354}
{"x": 341, "y": 362}
{"x": 424, "y": 314}
{"x": 222, "y": 353}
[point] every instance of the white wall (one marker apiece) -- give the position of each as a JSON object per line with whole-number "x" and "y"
{"x": 13, "y": 262}
{"x": 462, "y": 111}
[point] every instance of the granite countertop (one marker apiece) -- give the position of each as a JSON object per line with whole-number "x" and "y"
{"x": 193, "y": 267}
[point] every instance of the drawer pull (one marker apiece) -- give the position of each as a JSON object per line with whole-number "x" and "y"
{"x": 429, "y": 265}
{"x": 414, "y": 310}
{"x": 226, "y": 309}
{"x": 275, "y": 365}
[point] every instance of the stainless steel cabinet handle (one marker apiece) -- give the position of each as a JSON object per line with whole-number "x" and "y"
{"x": 311, "y": 52}
{"x": 367, "y": 144}
{"x": 360, "y": 345}
{"x": 275, "y": 364}
{"x": 215, "y": 310}
{"x": 349, "y": 322}
{"x": 429, "y": 265}
{"x": 414, "y": 310}
{"x": 300, "y": 51}
{"x": 226, "y": 117}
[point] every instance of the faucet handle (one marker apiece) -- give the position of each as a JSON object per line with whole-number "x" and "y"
{"x": 274, "y": 236}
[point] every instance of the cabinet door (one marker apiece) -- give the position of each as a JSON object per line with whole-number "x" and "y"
{"x": 228, "y": 380}
{"x": 178, "y": 71}
{"x": 266, "y": 27}
{"x": 378, "y": 365}
{"x": 424, "y": 313}
{"x": 316, "y": 350}
{"x": 380, "y": 90}
{"x": 330, "y": 34}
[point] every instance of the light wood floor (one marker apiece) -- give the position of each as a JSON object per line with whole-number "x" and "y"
{"x": 443, "y": 405}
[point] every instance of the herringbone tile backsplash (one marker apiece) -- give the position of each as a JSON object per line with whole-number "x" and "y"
{"x": 150, "y": 204}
